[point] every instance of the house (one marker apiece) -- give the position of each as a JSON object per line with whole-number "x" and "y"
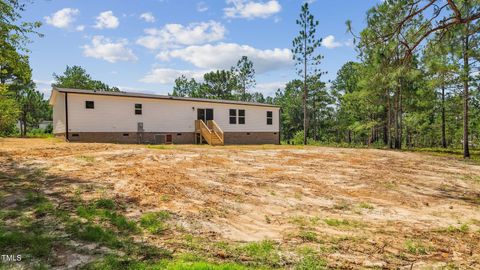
{"x": 123, "y": 117}
{"x": 44, "y": 124}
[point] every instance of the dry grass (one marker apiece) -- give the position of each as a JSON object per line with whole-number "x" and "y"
{"x": 354, "y": 207}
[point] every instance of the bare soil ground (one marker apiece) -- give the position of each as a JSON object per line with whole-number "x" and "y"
{"x": 355, "y": 208}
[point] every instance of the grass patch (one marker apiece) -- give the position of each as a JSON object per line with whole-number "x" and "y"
{"x": 365, "y": 205}
{"x": 449, "y": 152}
{"x": 342, "y": 205}
{"x": 345, "y": 223}
{"x": 304, "y": 222}
{"x": 96, "y": 234}
{"x": 9, "y": 214}
{"x": 121, "y": 222}
{"x": 33, "y": 198}
{"x": 464, "y": 228}
{"x": 310, "y": 260}
{"x": 415, "y": 247}
{"x": 308, "y": 236}
{"x": 262, "y": 253}
{"x": 160, "y": 147}
{"x": 154, "y": 222}
{"x": 164, "y": 198}
{"x": 114, "y": 263}
{"x": 88, "y": 159}
{"x": 105, "y": 204}
{"x": 88, "y": 212}
{"x": 34, "y": 243}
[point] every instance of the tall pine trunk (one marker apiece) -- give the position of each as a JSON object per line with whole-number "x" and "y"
{"x": 396, "y": 124}
{"x": 444, "y": 137}
{"x": 466, "y": 71}
{"x": 389, "y": 121}
{"x": 400, "y": 116}
{"x": 305, "y": 93}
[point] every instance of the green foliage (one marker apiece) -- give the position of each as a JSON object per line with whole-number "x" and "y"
{"x": 154, "y": 222}
{"x": 307, "y": 59}
{"x": 464, "y": 228}
{"x": 230, "y": 84}
{"x": 116, "y": 263}
{"x": 365, "y": 205}
{"x": 28, "y": 242}
{"x": 10, "y": 112}
{"x": 415, "y": 247}
{"x": 97, "y": 234}
{"x": 308, "y": 236}
{"x": 310, "y": 260}
{"x": 33, "y": 106}
{"x": 264, "y": 252}
{"x": 342, "y": 223}
{"x": 78, "y": 78}
{"x": 245, "y": 74}
{"x": 105, "y": 204}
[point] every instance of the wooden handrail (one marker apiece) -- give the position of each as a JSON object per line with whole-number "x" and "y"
{"x": 204, "y": 131}
{"x": 218, "y": 131}
{"x": 208, "y": 130}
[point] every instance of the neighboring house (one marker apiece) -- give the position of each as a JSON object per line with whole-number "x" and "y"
{"x": 44, "y": 124}
{"x": 121, "y": 117}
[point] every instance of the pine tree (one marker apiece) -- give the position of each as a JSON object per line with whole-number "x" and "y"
{"x": 306, "y": 58}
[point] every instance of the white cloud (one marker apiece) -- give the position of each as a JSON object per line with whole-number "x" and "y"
{"x": 104, "y": 48}
{"x": 80, "y": 28}
{"x": 168, "y": 75}
{"x": 202, "y": 6}
{"x": 44, "y": 87}
{"x": 172, "y": 35}
{"x": 251, "y": 9}
{"x": 329, "y": 42}
{"x": 148, "y": 17}
{"x": 269, "y": 89}
{"x": 224, "y": 55}
{"x": 62, "y": 18}
{"x": 106, "y": 19}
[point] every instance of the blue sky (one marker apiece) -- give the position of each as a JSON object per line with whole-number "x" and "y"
{"x": 142, "y": 46}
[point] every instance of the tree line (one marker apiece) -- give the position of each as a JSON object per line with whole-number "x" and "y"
{"x": 233, "y": 84}
{"x": 415, "y": 84}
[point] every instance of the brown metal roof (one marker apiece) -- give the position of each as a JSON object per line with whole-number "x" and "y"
{"x": 152, "y": 96}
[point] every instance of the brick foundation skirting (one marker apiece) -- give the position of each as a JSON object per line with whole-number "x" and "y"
{"x": 177, "y": 137}
{"x": 252, "y": 137}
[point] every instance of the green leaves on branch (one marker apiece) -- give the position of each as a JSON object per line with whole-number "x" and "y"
{"x": 78, "y": 78}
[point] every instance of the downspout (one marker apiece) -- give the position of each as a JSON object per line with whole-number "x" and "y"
{"x": 279, "y": 125}
{"x": 66, "y": 117}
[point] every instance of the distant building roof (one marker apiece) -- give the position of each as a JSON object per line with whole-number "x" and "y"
{"x": 152, "y": 96}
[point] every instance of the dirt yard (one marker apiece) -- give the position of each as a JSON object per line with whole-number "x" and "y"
{"x": 351, "y": 208}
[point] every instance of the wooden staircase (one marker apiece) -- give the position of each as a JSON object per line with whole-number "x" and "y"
{"x": 209, "y": 132}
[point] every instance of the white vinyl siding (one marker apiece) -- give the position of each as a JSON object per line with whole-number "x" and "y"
{"x": 58, "y": 113}
{"x": 116, "y": 114}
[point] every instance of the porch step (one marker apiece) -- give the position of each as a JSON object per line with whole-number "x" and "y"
{"x": 210, "y": 132}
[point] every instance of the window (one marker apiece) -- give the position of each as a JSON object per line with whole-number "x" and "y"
{"x": 241, "y": 117}
{"x": 138, "y": 108}
{"x": 126, "y": 134}
{"x": 269, "y": 117}
{"x": 233, "y": 116}
{"x": 89, "y": 105}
